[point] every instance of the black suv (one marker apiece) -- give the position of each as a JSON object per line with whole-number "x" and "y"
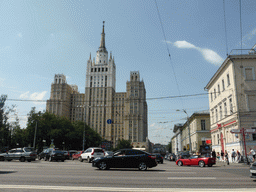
{"x": 21, "y": 154}
{"x": 126, "y": 158}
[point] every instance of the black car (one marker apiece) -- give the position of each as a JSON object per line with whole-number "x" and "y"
{"x": 126, "y": 158}
{"x": 159, "y": 158}
{"x": 56, "y": 155}
{"x": 44, "y": 154}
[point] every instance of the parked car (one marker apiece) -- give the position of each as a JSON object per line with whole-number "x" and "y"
{"x": 253, "y": 170}
{"x": 44, "y": 153}
{"x": 71, "y": 152}
{"x": 92, "y": 153}
{"x": 196, "y": 160}
{"x": 159, "y": 158}
{"x": 172, "y": 157}
{"x": 126, "y": 158}
{"x": 22, "y": 154}
{"x": 109, "y": 153}
{"x": 77, "y": 155}
{"x": 66, "y": 154}
{"x": 56, "y": 155}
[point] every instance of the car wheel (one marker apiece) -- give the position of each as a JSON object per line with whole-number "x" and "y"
{"x": 1, "y": 158}
{"x": 62, "y": 160}
{"x": 142, "y": 166}
{"x": 201, "y": 164}
{"x": 180, "y": 163}
{"x": 22, "y": 159}
{"x": 210, "y": 165}
{"x": 50, "y": 159}
{"x": 80, "y": 159}
{"x": 103, "y": 165}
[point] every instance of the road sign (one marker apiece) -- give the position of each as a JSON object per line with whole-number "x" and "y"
{"x": 109, "y": 121}
{"x": 236, "y": 131}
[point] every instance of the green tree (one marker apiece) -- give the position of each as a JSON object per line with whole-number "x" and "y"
{"x": 123, "y": 144}
{"x": 169, "y": 147}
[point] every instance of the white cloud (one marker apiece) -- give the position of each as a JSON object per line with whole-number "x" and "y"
{"x": 208, "y": 54}
{"x": 184, "y": 45}
{"x": 152, "y": 125}
{"x": 250, "y": 35}
{"x": 38, "y": 96}
{"x": 24, "y": 95}
{"x": 211, "y": 56}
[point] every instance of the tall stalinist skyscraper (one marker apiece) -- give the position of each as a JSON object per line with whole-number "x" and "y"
{"x": 114, "y": 115}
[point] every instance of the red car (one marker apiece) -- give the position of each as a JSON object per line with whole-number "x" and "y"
{"x": 197, "y": 160}
{"x": 77, "y": 155}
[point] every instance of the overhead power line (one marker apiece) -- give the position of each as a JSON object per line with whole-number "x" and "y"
{"x": 169, "y": 53}
{"x": 56, "y": 100}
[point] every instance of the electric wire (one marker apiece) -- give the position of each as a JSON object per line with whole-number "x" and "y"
{"x": 225, "y": 27}
{"x": 169, "y": 53}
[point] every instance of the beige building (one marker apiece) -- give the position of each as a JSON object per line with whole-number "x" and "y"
{"x": 114, "y": 115}
{"x": 232, "y": 101}
{"x": 199, "y": 125}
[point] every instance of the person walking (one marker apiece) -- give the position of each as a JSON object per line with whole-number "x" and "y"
{"x": 214, "y": 154}
{"x": 222, "y": 155}
{"x": 252, "y": 152}
{"x": 233, "y": 155}
{"x": 226, "y": 157}
{"x": 238, "y": 156}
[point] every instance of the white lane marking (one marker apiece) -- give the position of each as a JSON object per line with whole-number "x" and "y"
{"x": 176, "y": 172}
{"x": 76, "y": 188}
{"x": 194, "y": 178}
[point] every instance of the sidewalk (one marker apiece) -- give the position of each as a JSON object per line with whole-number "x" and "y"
{"x": 223, "y": 163}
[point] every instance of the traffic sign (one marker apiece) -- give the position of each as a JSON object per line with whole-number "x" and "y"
{"x": 109, "y": 121}
{"x": 236, "y": 131}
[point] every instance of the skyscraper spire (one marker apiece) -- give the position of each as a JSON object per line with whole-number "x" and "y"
{"x": 90, "y": 57}
{"x": 102, "y": 41}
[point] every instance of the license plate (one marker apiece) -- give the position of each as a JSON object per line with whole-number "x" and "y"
{"x": 253, "y": 171}
{"x": 98, "y": 153}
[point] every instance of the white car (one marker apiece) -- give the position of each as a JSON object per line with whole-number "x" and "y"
{"x": 92, "y": 153}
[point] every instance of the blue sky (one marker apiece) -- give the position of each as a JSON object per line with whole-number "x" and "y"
{"x": 43, "y": 38}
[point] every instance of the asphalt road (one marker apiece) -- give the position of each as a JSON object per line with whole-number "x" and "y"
{"x": 77, "y": 176}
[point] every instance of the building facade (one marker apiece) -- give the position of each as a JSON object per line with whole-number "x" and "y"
{"x": 114, "y": 115}
{"x": 199, "y": 125}
{"x": 232, "y": 101}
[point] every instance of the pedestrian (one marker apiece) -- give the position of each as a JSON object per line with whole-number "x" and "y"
{"x": 226, "y": 157}
{"x": 218, "y": 156}
{"x": 222, "y": 155}
{"x": 213, "y": 154}
{"x": 238, "y": 156}
{"x": 233, "y": 155}
{"x": 252, "y": 152}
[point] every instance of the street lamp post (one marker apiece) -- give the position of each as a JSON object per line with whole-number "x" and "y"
{"x": 189, "y": 137}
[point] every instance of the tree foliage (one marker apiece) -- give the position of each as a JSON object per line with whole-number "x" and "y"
{"x": 45, "y": 128}
{"x": 123, "y": 144}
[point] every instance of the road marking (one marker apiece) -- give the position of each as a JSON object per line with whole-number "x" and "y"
{"x": 76, "y": 188}
{"x": 194, "y": 178}
{"x": 176, "y": 172}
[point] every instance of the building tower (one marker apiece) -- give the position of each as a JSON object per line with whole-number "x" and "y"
{"x": 100, "y": 90}
{"x": 136, "y": 109}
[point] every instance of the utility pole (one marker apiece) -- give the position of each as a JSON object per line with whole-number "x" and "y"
{"x": 35, "y": 137}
